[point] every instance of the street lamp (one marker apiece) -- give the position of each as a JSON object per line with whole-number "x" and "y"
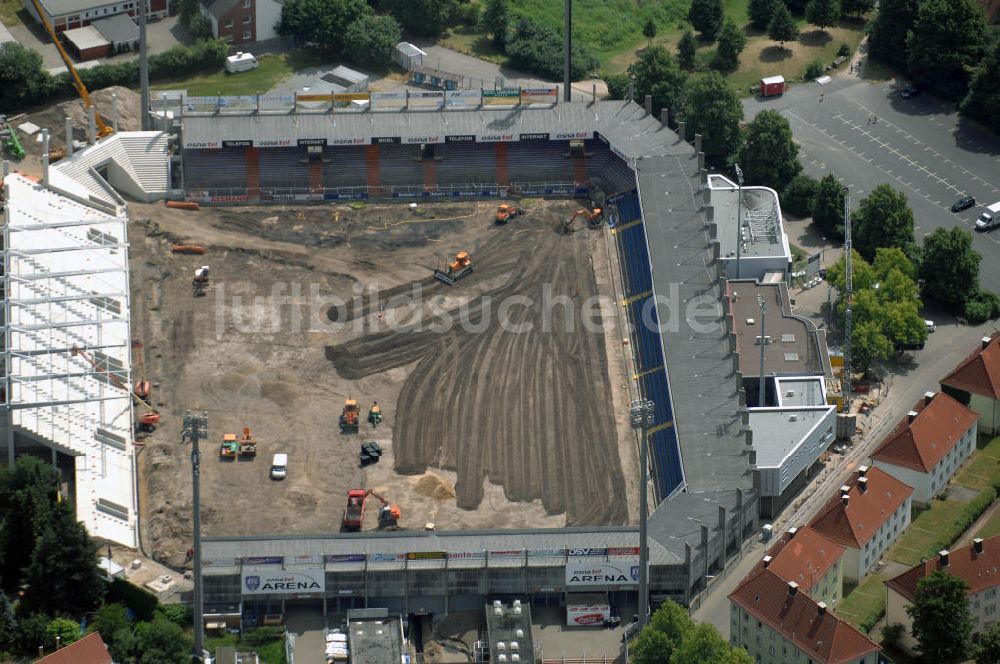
{"x": 196, "y": 428}
{"x": 739, "y": 214}
{"x": 641, "y": 417}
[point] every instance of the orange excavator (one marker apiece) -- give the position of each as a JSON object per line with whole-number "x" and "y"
{"x": 149, "y": 418}
{"x": 593, "y": 218}
{"x": 388, "y": 515}
{"x": 506, "y": 212}
{"x": 458, "y": 268}
{"x": 349, "y": 417}
{"x": 143, "y": 388}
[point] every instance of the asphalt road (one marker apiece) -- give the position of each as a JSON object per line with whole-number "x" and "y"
{"x": 945, "y": 348}
{"x": 919, "y": 146}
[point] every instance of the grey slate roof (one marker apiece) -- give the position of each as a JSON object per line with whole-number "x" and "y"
{"x": 118, "y": 29}
{"x": 217, "y": 7}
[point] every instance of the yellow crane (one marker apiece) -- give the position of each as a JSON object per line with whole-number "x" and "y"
{"x": 102, "y": 128}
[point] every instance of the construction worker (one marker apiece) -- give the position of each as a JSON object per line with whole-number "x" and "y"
{"x": 375, "y": 414}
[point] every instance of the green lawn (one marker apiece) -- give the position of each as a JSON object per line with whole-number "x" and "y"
{"x": 865, "y": 604}
{"x": 270, "y": 652}
{"x": 272, "y": 70}
{"x": 984, "y": 466}
{"x": 991, "y": 527}
{"x": 926, "y": 534}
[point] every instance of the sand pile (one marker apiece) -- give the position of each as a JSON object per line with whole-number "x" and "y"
{"x": 128, "y": 108}
{"x": 433, "y": 486}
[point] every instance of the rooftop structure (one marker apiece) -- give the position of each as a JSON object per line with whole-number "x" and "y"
{"x": 374, "y": 637}
{"x": 854, "y": 516}
{"x": 794, "y": 344}
{"x": 932, "y": 428}
{"x": 809, "y": 626}
{"x": 789, "y": 440}
{"x": 509, "y": 631}
{"x": 118, "y": 29}
{"x": 66, "y": 286}
{"x": 69, "y": 14}
{"x": 91, "y": 649}
{"x": 763, "y": 245}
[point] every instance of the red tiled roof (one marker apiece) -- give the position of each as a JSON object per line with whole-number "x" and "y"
{"x": 804, "y": 558}
{"x": 922, "y": 443}
{"x": 980, "y": 571}
{"x": 980, "y": 373}
{"x": 826, "y": 639}
{"x": 88, "y": 650}
{"x": 857, "y": 522}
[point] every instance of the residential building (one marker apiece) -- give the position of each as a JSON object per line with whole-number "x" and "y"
{"x": 70, "y": 14}
{"x": 243, "y": 21}
{"x": 928, "y": 445}
{"x": 976, "y": 563}
{"x": 866, "y": 517}
{"x": 811, "y": 560}
{"x": 976, "y": 382}
{"x": 777, "y": 623}
{"x": 91, "y": 649}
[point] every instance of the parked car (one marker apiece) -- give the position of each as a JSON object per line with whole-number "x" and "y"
{"x": 909, "y": 91}
{"x": 964, "y": 203}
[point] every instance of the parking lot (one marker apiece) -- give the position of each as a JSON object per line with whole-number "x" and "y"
{"x": 919, "y": 146}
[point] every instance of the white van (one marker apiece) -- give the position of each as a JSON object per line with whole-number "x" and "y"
{"x": 279, "y": 467}
{"x": 990, "y": 218}
{"x": 241, "y": 62}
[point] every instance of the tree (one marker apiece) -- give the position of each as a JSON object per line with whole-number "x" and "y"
{"x": 651, "y": 647}
{"x": 539, "y": 48}
{"x": 981, "y": 306}
{"x": 649, "y": 31}
{"x": 942, "y": 625}
{"x": 706, "y": 17}
{"x": 22, "y": 78}
{"x": 686, "y": 50}
{"x": 33, "y": 631}
{"x": 704, "y": 645}
{"x": 887, "y": 40}
{"x": 761, "y": 11}
{"x": 63, "y": 576}
{"x": 988, "y": 650}
{"x": 769, "y": 156}
{"x": 179, "y": 614}
{"x": 496, "y": 21}
{"x": 160, "y": 641}
{"x": 27, "y": 498}
{"x": 187, "y": 10}
{"x": 798, "y": 196}
{"x": 8, "y": 623}
{"x": 950, "y": 267}
{"x": 714, "y": 111}
{"x": 823, "y": 13}
{"x": 321, "y": 22}
{"x": 856, "y": 7}
{"x": 983, "y": 99}
{"x": 673, "y": 621}
{"x": 782, "y": 27}
{"x": 67, "y": 631}
{"x": 947, "y": 42}
{"x": 369, "y": 40}
{"x": 111, "y": 620}
{"x": 883, "y": 219}
{"x": 828, "y": 206}
{"x": 656, "y": 73}
{"x": 200, "y": 26}
{"x": 732, "y": 41}
{"x": 426, "y": 18}
{"x": 868, "y": 344}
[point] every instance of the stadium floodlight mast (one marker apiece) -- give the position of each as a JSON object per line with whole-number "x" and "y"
{"x": 739, "y": 223}
{"x": 567, "y": 50}
{"x": 641, "y": 417}
{"x": 196, "y": 428}
{"x": 761, "y": 387}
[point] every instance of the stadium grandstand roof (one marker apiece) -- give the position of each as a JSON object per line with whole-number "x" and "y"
{"x": 67, "y": 289}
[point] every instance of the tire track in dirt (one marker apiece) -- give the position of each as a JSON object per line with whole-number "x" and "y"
{"x": 528, "y": 410}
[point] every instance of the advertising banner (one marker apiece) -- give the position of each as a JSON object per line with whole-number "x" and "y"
{"x": 238, "y": 103}
{"x": 570, "y": 135}
{"x": 628, "y": 551}
{"x": 546, "y": 553}
{"x": 539, "y": 95}
{"x": 623, "y": 572}
{"x": 422, "y": 140}
{"x": 599, "y": 551}
{"x": 247, "y": 143}
{"x": 462, "y": 98}
{"x": 498, "y": 138}
{"x": 384, "y": 100}
{"x": 305, "y": 580}
{"x": 587, "y": 614}
{"x": 351, "y": 96}
{"x": 310, "y": 141}
{"x": 384, "y": 140}
{"x": 344, "y": 557}
{"x": 509, "y": 555}
{"x": 276, "y": 102}
{"x": 264, "y": 560}
{"x": 201, "y": 104}
{"x": 535, "y": 137}
{"x": 386, "y": 557}
{"x": 272, "y": 142}
{"x": 463, "y": 138}
{"x": 502, "y": 97}
{"x": 427, "y": 555}
{"x": 317, "y": 97}
{"x": 305, "y": 559}
{"x": 426, "y": 99}
{"x": 467, "y": 555}
{"x": 201, "y": 145}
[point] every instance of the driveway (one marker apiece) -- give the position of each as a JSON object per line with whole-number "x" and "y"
{"x": 919, "y": 146}
{"x": 305, "y": 623}
{"x": 160, "y": 36}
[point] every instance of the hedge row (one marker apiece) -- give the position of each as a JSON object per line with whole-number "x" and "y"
{"x": 140, "y": 601}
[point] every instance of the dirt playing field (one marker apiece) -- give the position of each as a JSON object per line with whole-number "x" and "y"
{"x": 485, "y": 426}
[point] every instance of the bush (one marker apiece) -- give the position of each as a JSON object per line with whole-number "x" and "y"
{"x": 814, "y": 70}
{"x": 891, "y": 634}
{"x": 466, "y": 14}
{"x": 178, "y": 614}
{"x": 798, "y": 196}
{"x": 261, "y": 636}
{"x": 981, "y": 307}
{"x": 141, "y": 602}
{"x": 200, "y": 26}
{"x": 617, "y": 85}
{"x": 539, "y": 49}
{"x": 844, "y": 50}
